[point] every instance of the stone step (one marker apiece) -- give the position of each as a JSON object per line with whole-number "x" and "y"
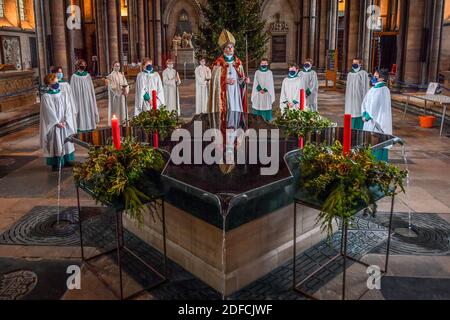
{"x": 19, "y": 119}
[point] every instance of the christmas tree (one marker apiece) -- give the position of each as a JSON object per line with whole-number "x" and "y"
{"x": 242, "y": 18}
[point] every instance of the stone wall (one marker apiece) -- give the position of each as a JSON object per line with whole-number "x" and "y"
{"x": 24, "y": 46}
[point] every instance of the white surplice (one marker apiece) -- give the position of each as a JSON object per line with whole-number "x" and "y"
{"x": 202, "y": 80}
{"x": 377, "y": 106}
{"x": 116, "y": 99}
{"x": 357, "y": 88}
{"x": 290, "y": 92}
{"x": 311, "y": 82}
{"x": 84, "y": 95}
{"x": 171, "y": 93}
{"x": 263, "y": 81}
{"x": 66, "y": 89}
{"x": 55, "y": 110}
{"x": 146, "y": 82}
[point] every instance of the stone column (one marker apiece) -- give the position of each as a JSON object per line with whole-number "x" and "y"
{"x": 58, "y": 28}
{"x": 352, "y": 33}
{"x": 313, "y": 17}
{"x": 152, "y": 32}
{"x": 103, "y": 59}
{"x": 113, "y": 40}
{"x": 322, "y": 35}
{"x": 413, "y": 41}
{"x": 77, "y": 35}
{"x": 141, "y": 29}
{"x": 365, "y": 35}
{"x": 159, "y": 40}
{"x": 305, "y": 19}
{"x": 41, "y": 38}
{"x": 332, "y": 24}
{"x": 132, "y": 28}
{"x": 435, "y": 41}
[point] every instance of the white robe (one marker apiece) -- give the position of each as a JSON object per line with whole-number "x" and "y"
{"x": 84, "y": 95}
{"x": 357, "y": 88}
{"x": 290, "y": 92}
{"x": 202, "y": 80}
{"x": 66, "y": 89}
{"x": 55, "y": 108}
{"x": 263, "y": 102}
{"x": 171, "y": 92}
{"x": 146, "y": 83}
{"x": 234, "y": 91}
{"x": 377, "y": 104}
{"x": 116, "y": 100}
{"x": 312, "y": 83}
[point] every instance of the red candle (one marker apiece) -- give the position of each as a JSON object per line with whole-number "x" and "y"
{"x": 347, "y": 133}
{"x": 301, "y": 143}
{"x": 154, "y": 100}
{"x": 116, "y": 132}
{"x": 302, "y": 99}
{"x": 156, "y": 140}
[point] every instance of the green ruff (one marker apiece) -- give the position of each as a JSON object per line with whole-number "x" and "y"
{"x": 228, "y": 60}
{"x": 51, "y": 91}
{"x": 380, "y": 85}
{"x": 81, "y": 74}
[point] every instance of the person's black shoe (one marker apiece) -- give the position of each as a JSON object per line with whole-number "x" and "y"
{"x": 366, "y": 213}
{"x": 69, "y": 164}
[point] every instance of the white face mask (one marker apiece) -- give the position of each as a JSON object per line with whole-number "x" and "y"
{"x": 202, "y": 63}
{"x": 117, "y": 68}
{"x": 170, "y": 66}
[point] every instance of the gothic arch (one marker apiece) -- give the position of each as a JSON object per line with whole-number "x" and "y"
{"x": 172, "y": 13}
{"x": 288, "y": 13}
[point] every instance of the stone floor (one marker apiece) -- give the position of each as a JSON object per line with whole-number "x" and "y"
{"x": 28, "y": 186}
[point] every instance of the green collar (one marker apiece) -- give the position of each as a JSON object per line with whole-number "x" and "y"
{"x": 81, "y": 74}
{"x": 380, "y": 85}
{"x": 304, "y": 70}
{"x": 62, "y": 81}
{"x": 149, "y": 72}
{"x": 353, "y": 71}
{"x": 228, "y": 60}
{"x": 262, "y": 70}
{"x": 293, "y": 77}
{"x": 51, "y": 91}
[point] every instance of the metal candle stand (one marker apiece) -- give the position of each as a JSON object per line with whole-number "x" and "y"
{"x": 343, "y": 253}
{"x": 120, "y": 247}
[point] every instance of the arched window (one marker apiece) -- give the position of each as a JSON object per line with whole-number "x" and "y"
{"x": 2, "y": 12}
{"x": 21, "y": 10}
